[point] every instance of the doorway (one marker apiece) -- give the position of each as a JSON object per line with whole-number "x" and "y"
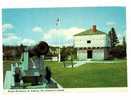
{"x": 89, "y": 54}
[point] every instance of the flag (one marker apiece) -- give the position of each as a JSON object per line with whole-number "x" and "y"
{"x": 57, "y": 21}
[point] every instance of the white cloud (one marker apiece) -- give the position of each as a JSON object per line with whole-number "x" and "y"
{"x": 28, "y": 42}
{"x": 120, "y": 37}
{"x": 111, "y": 24}
{"x": 72, "y": 31}
{"x": 9, "y": 36}
{"x": 37, "y": 29}
{"x": 6, "y": 27}
{"x": 61, "y": 36}
{"x": 12, "y": 39}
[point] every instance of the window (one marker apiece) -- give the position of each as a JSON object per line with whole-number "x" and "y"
{"x": 89, "y": 41}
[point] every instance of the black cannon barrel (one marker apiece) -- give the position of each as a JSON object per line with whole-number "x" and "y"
{"x": 40, "y": 49}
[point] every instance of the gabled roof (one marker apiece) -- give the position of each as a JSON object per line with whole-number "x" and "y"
{"x": 89, "y": 32}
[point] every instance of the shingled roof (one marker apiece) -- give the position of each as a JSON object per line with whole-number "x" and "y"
{"x": 93, "y": 31}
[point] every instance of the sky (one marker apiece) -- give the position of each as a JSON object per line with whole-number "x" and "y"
{"x": 28, "y": 26}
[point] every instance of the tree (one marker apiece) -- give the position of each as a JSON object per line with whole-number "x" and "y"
{"x": 124, "y": 45}
{"x": 124, "y": 42}
{"x": 113, "y": 37}
{"x": 118, "y": 51}
{"x": 67, "y": 52}
{"x": 63, "y": 55}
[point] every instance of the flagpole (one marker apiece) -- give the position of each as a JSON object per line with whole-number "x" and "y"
{"x": 57, "y": 25}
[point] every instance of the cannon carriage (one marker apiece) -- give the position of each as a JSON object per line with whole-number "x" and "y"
{"x": 31, "y": 72}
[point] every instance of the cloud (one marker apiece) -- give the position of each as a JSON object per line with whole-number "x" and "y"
{"x": 72, "y": 31}
{"x": 18, "y": 41}
{"x": 121, "y": 35}
{"x": 6, "y": 27}
{"x": 12, "y": 39}
{"x": 8, "y": 35}
{"x": 28, "y": 42}
{"x": 111, "y": 24}
{"x": 61, "y": 36}
{"x": 37, "y": 29}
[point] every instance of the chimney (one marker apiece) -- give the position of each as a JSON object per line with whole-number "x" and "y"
{"x": 94, "y": 28}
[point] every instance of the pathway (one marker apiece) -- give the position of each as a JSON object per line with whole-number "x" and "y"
{"x": 79, "y": 63}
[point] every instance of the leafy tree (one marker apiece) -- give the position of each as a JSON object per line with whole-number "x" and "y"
{"x": 66, "y": 52}
{"x": 113, "y": 37}
{"x": 63, "y": 54}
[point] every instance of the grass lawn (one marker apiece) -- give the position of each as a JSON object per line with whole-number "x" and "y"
{"x": 87, "y": 75}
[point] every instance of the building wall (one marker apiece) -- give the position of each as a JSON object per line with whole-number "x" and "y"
{"x": 82, "y": 54}
{"x": 106, "y": 53}
{"x": 101, "y": 40}
{"x": 97, "y": 54}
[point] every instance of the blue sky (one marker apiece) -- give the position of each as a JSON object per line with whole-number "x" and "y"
{"x": 31, "y": 25}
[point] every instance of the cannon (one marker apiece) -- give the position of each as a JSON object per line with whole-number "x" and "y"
{"x": 30, "y": 72}
{"x": 40, "y": 49}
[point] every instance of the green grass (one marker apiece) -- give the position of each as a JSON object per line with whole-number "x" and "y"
{"x": 87, "y": 75}
{"x": 90, "y": 75}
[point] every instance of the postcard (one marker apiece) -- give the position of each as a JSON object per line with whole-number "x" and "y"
{"x": 64, "y": 47}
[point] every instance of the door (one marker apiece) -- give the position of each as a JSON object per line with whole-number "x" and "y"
{"x": 89, "y": 54}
